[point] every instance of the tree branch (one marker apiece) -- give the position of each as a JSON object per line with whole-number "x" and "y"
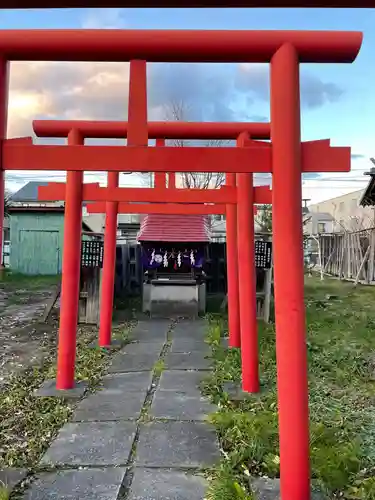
{"x": 178, "y": 110}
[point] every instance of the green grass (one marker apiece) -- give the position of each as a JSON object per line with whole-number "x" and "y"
{"x": 4, "y": 493}
{"x": 10, "y": 279}
{"x": 341, "y": 354}
{"x": 27, "y": 423}
{"x": 159, "y": 367}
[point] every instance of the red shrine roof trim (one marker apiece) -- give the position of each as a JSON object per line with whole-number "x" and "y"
{"x": 175, "y": 228}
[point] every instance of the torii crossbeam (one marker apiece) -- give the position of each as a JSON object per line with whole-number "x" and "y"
{"x": 254, "y": 156}
{"x": 168, "y": 208}
{"x": 93, "y": 192}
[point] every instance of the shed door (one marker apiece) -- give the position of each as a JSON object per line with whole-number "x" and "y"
{"x": 39, "y": 252}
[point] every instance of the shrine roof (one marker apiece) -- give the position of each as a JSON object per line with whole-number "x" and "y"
{"x": 175, "y": 228}
{"x": 29, "y": 192}
{"x": 368, "y": 197}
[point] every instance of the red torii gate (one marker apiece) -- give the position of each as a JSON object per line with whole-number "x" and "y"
{"x": 161, "y": 131}
{"x": 196, "y": 197}
{"x": 245, "y": 315}
{"x": 285, "y": 51}
{"x": 138, "y": 109}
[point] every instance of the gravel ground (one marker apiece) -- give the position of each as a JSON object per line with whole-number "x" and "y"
{"x": 24, "y": 340}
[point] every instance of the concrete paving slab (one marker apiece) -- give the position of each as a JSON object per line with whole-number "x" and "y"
{"x": 48, "y": 390}
{"x": 129, "y": 382}
{"x": 189, "y": 344}
{"x": 92, "y": 443}
{"x": 225, "y": 342}
{"x": 10, "y": 477}
{"x": 181, "y": 381}
{"x": 115, "y": 344}
{"x": 155, "y": 484}
{"x": 146, "y": 337}
{"x": 85, "y": 484}
{"x": 113, "y": 405}
{"x": 194, "y": 360}
{"x": 122, "y": 363}
{"x": 154, "y": 346}
{"x": 195, "y": 329}
{"x": 177, "y": 444}
{"x": 190, "y": 334}
{"x": 179, "y": 406}
{"x": 265, "y": 488}
{"x": 150, "y": 330}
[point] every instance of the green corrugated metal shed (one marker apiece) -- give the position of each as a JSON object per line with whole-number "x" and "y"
{"x": 36, "y": 241}
{"x": 36, "y": 233}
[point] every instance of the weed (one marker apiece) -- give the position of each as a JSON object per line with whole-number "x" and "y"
{"x": 362, "y": 489}
{"x": 4, "y": 493}
{"x": 340, "y": 343}
{"x": 159, "y": 367}
{"x": 29, "y": 423}
{"x": 14, "y": 279}
{"x": 223, "y": 486}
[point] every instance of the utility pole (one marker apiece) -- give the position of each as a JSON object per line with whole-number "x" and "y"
{"x": 305, "y": 208}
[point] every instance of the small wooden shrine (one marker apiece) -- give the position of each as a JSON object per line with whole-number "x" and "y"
{"x": 173, "y": 254}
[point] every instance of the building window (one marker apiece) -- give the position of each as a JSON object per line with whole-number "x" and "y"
{"x": 321, "y": 227}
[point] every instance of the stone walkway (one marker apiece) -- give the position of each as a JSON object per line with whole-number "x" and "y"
{"x": 143, "y": 435}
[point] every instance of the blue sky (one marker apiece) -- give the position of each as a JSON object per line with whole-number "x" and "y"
{"x": 339, "y": 100}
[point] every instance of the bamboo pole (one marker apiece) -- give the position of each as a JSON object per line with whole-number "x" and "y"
{"x": 366, "y": 256}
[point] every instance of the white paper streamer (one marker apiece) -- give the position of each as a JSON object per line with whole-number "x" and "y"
{"x": 152, "y": 257}
{"x": 192, "y": 259}
{"x": 165, "y": 260}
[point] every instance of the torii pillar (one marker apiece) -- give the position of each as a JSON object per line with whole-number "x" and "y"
{"x": 109, "y": 266}
{"x": 137, "y": 136}
{"x": 232, "y": 269}
{"x": 70, "y": 274}
{"x": 160, "y": 178}
{"x": 291, "y": 352}
{"x": 247, "y": 277}
{"x": 172, "y": 180}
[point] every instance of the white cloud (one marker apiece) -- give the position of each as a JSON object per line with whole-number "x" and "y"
{"x": 67, "y": 91}
{"x": 63, "y": 90}
{"x": 104, "y": 19}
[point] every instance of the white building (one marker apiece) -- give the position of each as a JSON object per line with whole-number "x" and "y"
{"x": 339, "y": 214}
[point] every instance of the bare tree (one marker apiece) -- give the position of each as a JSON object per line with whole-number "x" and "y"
{"x": 351, "y": 223}
{"x": 359, "y": 222}
{"x": 177, "y": 110}
{"x": 263, "y": 218}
